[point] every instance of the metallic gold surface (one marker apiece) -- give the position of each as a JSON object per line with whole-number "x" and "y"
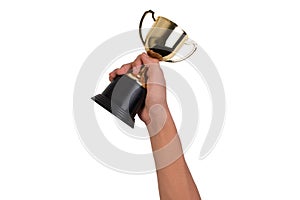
{"x": 154, "y": 55}
{"x": 159, "y": 33}
{"x": 141, "y": 77}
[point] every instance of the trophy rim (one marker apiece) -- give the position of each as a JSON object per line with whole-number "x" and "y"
{"x": 171, "y": 22}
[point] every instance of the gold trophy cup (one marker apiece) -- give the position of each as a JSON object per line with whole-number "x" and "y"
{"x": 125, "y": 96}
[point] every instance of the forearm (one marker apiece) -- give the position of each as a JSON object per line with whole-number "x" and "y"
{"x": 174, "y": 178}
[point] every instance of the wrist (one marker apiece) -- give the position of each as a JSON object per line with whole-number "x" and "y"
{"x": 158, "y": 114}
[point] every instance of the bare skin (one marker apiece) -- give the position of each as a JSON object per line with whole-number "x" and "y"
{"x": 175, "y": 181}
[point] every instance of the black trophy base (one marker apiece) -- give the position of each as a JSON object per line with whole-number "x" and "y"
{"x": 124, "y": 98}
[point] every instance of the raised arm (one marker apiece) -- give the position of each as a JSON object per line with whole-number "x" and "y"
{"x": 175, "y": 181}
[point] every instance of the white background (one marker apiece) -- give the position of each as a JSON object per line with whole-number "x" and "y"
{"x": 254, "y": 44}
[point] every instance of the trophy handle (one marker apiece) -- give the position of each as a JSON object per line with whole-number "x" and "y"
{"x": 191, "y": 42}
{"x": 141, "y": 23}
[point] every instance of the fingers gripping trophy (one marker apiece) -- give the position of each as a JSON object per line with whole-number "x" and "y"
{"x": 125, "y": 96}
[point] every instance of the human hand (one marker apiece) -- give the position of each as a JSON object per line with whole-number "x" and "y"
{"x": 156, "y": 86}
{"x": 165, "y": 142}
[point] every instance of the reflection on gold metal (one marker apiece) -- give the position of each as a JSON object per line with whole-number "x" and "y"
{"x": 141, "y": 77}
{"x": 156, "y": 44}
{"x": 164, "y": 39}
{"x": 154, "y": 55}
{"x": 155, "y": 41}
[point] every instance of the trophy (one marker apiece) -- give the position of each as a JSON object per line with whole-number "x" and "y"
{"x": 125, "y": 96}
